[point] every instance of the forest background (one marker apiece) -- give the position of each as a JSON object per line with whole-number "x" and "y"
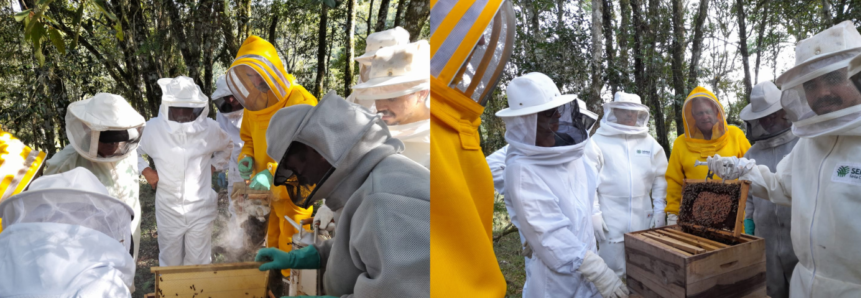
{"x": 58, "y": 51}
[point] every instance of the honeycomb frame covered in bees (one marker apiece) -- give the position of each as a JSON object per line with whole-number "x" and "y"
{"x": 714, "y": 208}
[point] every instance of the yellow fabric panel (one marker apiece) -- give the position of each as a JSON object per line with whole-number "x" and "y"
{"x": 465, "y": 47}
{"x": 14, "y": 157}
{"x": 681, "y": 164}
{"x": 463, "y": 263}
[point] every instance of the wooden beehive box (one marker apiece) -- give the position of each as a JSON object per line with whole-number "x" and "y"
{"x": 229, "y": 280}
{"x": 698, "y": 258}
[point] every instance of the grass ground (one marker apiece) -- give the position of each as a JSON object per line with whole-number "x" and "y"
{"x": 508, "y": 251}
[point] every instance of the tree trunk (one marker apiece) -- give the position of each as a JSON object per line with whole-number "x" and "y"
{"x": 759, "y": 38}
{"x": 742, "y": 37}
{"x": 677, "y": 64}
{"x": 612, "y": 72}
{"x": 321, "y": 50}
{"x": 349, "y": 66}
{"x": 273, "y": 25}
{"x": 398, "y": 13}
{"x": 382, "y": 15}
{"x": 644, "y": 39}
{"x": 417, "y": 14}
{"x": 597, "y": 57}
{"x": 624, "y": 27}
{"x": 230, "y": 41}
{"x": 827, "y": 21}
{"x": 696, "y": 48}
{"x": 370, "y": 17}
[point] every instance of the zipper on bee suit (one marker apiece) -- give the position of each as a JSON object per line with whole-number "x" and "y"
{"x": 813, "y": 218}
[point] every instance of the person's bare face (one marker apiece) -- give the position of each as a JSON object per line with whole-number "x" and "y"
{"x": 626, "y": 117}
{"x": 775, "y": 122}
{"x": 548, "y": 124}
{"x": 403, "y": 109}
{"x": 704, "y": 113}
{"x": 108, "y": 149}
{"x": 831, "y": 92}
{"x": 256, "y": 79}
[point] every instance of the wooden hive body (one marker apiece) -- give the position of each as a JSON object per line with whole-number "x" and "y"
{"x": 717, "y": 260}
{"x": 229, "y": 280}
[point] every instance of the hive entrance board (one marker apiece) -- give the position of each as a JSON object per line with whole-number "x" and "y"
{"x": 714, "y": 209}
{"x": 234, "y": 280}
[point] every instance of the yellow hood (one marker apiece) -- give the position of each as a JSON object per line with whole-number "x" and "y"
{"x": 694, "y": 138}
{"x": 261, "y": 55}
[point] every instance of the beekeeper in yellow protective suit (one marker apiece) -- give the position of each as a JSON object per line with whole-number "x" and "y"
{"x": 706, "y": 134}
{"x": 468, "y": 53}
{"x": 19, "y": 165}
{"x": 259, "y": 82}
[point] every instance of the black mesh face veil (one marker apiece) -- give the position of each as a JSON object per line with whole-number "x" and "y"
{"x": 572, "y": 125}
{"x": 227, "y": 105}
{"x": 183, "y": 114}
{"x": 300, "y": 188}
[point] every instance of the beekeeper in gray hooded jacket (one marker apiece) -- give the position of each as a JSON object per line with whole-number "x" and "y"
{"x": 381, "y": 200}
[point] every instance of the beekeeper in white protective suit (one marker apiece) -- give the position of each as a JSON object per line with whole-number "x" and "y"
{"x": 632, "y": 190}
{"x": 66, "y": 237}
{"x": 593, "y": 155}
{"x": 104, "y": 132}
{"x": 821, "y": 177}
{"x": 769, "y": 129}
{"x": 381, "y": 246}
{"x": 181, "y": 141}
{"x": 551, "y": 188}
{"x": 229, "y": 118}
{"x": 374, "y": 42}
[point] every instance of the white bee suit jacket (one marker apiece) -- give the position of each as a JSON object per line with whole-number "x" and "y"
{"x": 185, "y": 202}
{"x": 551, "y": 190}
{"x": 416, "y": 138}
{"x": 630, "y": 181}
{"x": 821, "y": 180}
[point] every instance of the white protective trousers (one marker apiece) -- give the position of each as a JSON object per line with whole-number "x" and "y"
{"x": 630, "y": 187}
{"x": 821, "y": 180}
{"x": 185, "y": 203}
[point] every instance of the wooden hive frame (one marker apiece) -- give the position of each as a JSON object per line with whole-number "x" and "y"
{"x": 239, "y": 280}
{"x": 738, "y": 229}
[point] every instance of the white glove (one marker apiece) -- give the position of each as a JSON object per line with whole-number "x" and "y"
{"x": 325, "y": 218}
{"x": 600, "y": 227}
{"x": 672, "y": 219}
{"x": 730, "y": 168}
{"x": 608, "y": 283}
{"x": 659, "y": 219}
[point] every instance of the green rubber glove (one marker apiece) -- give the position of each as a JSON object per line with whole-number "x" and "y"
{"x": 245, "y": 166}
{"x": 262, "y": 181}
{"x": 749, "y": 226}
{"x": 305, "y": 258}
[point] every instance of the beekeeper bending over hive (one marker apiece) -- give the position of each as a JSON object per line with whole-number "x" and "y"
{"x": 821, "y": 177}
{"x": 66, "y": 237}
{"x": 104, "y": 132}
{"x": 382, "y": 200}
{"x": 551, "y": 188}
{"x": 181, "y": 142}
